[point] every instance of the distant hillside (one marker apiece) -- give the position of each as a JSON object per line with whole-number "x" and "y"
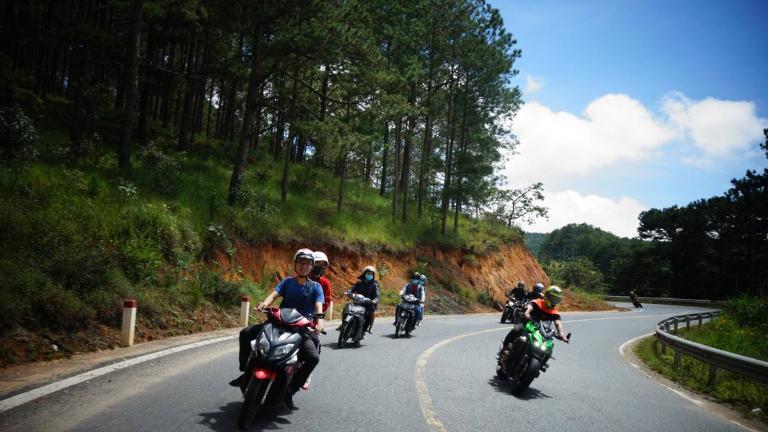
{"x": 534, "y": 241}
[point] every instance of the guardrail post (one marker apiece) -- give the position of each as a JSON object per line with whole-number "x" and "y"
{"x": 676, "y": 364}
{"x": 675, "y": 325}
{"x": 712, "y": 375}
{"x": 245, "y": 308}
{"x": 687, "y": 323}
{"x": 330, "y": 311}
{"x": 128, "y": 328}
{"x": 701, "y": 320}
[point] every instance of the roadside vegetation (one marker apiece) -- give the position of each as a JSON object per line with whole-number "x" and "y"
{"x": 741, "y": 329}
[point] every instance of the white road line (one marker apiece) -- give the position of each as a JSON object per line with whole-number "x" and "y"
{"x": 683, "y": 394}
{"x": 422, "y": 391}
{"x": 22, "y": 398}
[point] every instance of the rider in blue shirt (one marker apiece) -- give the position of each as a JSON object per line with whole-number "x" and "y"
{"x": 306, "y": 296}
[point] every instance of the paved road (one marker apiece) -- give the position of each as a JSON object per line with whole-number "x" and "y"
{"x": 379, "y": 387}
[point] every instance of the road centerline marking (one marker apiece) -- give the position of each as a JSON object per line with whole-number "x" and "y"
{"x": 422, "y": 391}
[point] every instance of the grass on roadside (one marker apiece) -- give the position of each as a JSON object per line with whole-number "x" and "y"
{"x": 743, "y": 393}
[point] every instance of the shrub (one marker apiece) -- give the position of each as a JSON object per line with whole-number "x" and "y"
{"x": 748, "y": 311}
{"x": 17, "y": 134}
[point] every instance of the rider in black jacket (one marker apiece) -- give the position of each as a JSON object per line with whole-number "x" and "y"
{"x": 368, "y": 287}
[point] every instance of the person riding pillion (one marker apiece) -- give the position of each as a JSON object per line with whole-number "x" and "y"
{"x": 415, "y": 288}
{"x": 536, "y": 292}
{"x": 306, "y": 296}
{"x": 542, "y": 309}
{"x": 318, "y": 269}
{"x": 367, "y": 286}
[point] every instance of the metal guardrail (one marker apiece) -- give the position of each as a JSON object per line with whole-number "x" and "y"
{"x": 716, "y": 359}
{"x": 666, "y": 300}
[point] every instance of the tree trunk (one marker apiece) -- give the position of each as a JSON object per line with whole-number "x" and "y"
{"x": 186, "y": 113}
{"x": 406, "y": 174}
{"x": 395, "y": 177}
{"x": 448, "y": 162}
{"x": 289, "y": 142}
{"x": 252, "y": 109}
{"x": 132, "y": 72}
{"x": 385, "y": 154}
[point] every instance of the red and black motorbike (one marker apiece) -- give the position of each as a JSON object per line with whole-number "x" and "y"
{"x": 273, "y": 362}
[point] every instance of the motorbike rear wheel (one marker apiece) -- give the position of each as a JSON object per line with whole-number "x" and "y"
{"x": 526, "y": 376}
{"x": 253, "y": 395}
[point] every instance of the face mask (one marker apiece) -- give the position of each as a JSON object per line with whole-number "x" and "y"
{"x": 369, "y": 277}
{"x": 414, "y": 281}
{"x": 318, "y": 270}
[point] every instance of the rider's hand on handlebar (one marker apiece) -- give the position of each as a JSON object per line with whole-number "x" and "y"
{"x": 319, "y": 326}
{"x": 261, "y": 306}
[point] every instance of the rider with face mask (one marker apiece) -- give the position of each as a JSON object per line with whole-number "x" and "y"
{"x": 416, "y": 288}
{"x": 368, "y": 287}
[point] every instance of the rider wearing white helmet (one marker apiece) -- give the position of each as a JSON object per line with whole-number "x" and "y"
{"x": 319, "y": 268}
{"x": 306, "y": 296}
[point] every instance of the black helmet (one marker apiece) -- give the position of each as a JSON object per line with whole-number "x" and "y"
{"x": 416, "y": 275}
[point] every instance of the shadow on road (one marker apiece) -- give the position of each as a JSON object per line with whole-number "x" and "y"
{"x": 349, "y": 345}
{"x": 505, "y": 386}
{"x": 392, "y": 336}
{"x": 226, "y": 419}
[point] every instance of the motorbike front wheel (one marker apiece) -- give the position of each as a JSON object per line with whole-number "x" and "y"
{"x": 251, "y": 405}
{"x": 525, "y": 377}
{"x": 504, "y": 316}
{"x": 344, "y": 334}
{"x": 399, "y": 327}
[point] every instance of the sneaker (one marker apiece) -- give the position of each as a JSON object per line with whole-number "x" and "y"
{"x": 363, "y": 336}
{"x": 418, "y": 324}
{"x": 237, "y": 381}
{"x": 288, "y": 401}
{"x": 369, "y": 331}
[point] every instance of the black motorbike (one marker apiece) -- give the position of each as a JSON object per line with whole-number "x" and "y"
{"x": 353, "y": 319}
{"x": 636, "y": 301}
{"x": 273, "y": 362}
{"x": 513, "y": 311}
{"x": 405, "y": 321}
{"x": 526, "y": 356}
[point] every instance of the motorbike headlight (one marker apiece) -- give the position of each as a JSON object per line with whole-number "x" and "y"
{"x": 282, "y": 350}
{"x": 263, "y": 345}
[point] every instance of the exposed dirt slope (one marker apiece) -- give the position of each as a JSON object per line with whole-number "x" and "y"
{"x": 449, "y": 271}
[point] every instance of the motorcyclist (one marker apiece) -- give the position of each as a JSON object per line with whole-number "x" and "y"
{"x": 536, "y": 292}
{"x": 318, "y": 269}
{"x": 306, "y": 296}
{"x": 415, "y": 288}
{"x": 423, "y": 282}
{"x": 542, "y": 309}
{"x": 517, "y": 293}
{"x": 367, "y": 286}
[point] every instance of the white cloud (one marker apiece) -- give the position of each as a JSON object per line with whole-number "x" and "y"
{"x": 555, "y": 146}
{"x": 616, "y": 216}
{"x": 715, "y": 127}
{"x": 532, "y": 85}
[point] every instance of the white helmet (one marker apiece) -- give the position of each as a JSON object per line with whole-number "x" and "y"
{"x": 304, "y": 253}
{"x": 370, "y": 269}
{"x": 319, "y": 256}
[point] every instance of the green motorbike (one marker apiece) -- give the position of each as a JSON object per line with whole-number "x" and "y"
{"x": 525, "y": 357}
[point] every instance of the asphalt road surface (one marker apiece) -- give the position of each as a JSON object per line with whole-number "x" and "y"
{"x": 440, "y": 379}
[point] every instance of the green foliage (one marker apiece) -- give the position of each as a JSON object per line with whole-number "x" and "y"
{"x": 749, "y": 312}
{"x": 745, "y": 393}
{"x": 18, "y": 135}
{"x": 576, "y": 273}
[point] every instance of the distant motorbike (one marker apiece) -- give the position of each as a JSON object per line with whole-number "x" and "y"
{"x": 406, "y": 318}
{"x": 526, "y": 357}
{"x": 513, "y": 311}
{"x": 636, "y": 301}
{"x": 273, "y": 362}
{"x": 353, "y": 319}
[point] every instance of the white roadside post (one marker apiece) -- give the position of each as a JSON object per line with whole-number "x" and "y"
{"x": 245, "y": 306}
{"x": 129, "y": 323}
{"x": 330, "y": 311}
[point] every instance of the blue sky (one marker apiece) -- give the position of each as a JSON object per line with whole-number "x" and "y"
{"x": 660, "y": 103}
